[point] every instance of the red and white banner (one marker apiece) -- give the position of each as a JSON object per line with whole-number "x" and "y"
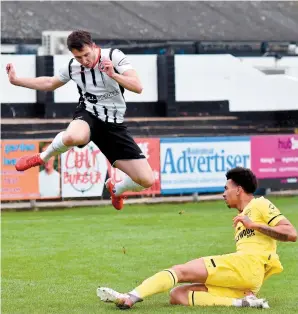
{"x": 151, "y": 148}
{"x": 83, "y": 172}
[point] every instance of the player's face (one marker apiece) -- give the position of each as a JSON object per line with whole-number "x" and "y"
{"x": 86, "y": 56}
{"x": 231, "y": 194}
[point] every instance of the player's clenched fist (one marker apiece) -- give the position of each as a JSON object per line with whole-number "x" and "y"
{"x": 106, "y": 66}
{"x": 245, "y": 221}
{"x": 10, "y": 70}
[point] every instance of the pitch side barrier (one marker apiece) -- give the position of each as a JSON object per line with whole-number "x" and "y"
{"x": 184, "y": 169}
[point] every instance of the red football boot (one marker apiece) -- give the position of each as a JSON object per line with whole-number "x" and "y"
{"x": 27, "y": 162}
{"x": 117, "y": 201}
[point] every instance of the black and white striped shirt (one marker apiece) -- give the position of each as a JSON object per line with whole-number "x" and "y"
{"x": 99, "y": 94}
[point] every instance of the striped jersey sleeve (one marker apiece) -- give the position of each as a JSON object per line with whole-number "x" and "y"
{"x": 120, "y": 61}
{"x": 63, "y": 74}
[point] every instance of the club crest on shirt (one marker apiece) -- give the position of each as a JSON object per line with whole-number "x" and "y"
{"x": 272, "y": 209}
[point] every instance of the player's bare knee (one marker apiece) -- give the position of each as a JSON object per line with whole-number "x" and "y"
{"x": 179, "y": 296}
{"x": 70, "y": 139}
{"x": 180, "y": 272}
{"x": 174, "y": 296}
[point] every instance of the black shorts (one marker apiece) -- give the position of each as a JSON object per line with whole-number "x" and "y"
{"x": 113, "y": 139}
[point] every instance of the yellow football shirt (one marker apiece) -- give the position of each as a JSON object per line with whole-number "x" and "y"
{"x": 261, "y": 211}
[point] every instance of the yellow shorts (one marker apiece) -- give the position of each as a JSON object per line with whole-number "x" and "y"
{"x": 226, "y": 292}
{"x": 232, "y": 275}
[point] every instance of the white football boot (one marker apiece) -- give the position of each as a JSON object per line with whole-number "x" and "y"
{"x": 110, "y": 295}
{"x": 253, "y": 301}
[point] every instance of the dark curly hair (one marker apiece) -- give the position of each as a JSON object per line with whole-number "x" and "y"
{"x": 78, "y": 39}
{"x": 243, "y": 177}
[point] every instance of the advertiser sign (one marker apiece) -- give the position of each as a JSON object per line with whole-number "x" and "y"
{"x": 150, "y": 148}
{"x": 191, "y": 165}
{"x": 17, "y": 185}
{"x": 83, "y": 171}
{"x": 275, "y": 160}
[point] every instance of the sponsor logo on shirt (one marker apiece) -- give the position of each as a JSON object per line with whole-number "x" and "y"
{"x": 93, "y": 99}
{"x": 245, "y": 233}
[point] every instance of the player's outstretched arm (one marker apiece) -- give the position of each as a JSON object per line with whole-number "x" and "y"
{"x": 44, "y": 83}
{"x": 282, "y": 231}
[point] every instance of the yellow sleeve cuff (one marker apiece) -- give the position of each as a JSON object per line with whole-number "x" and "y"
{"x": 275, "y": 220}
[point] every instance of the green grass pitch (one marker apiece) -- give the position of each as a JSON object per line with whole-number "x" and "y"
{"x": 53, "y": 261}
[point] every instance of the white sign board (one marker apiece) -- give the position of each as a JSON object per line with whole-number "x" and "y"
{"x": 25, "y": 66}
{"x": 83, "y": 171}
{"x": 191, "y": 165}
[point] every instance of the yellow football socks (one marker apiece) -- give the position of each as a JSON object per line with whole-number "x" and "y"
{"x": 160, "y": 282}
{"x": 206, "y": 299}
